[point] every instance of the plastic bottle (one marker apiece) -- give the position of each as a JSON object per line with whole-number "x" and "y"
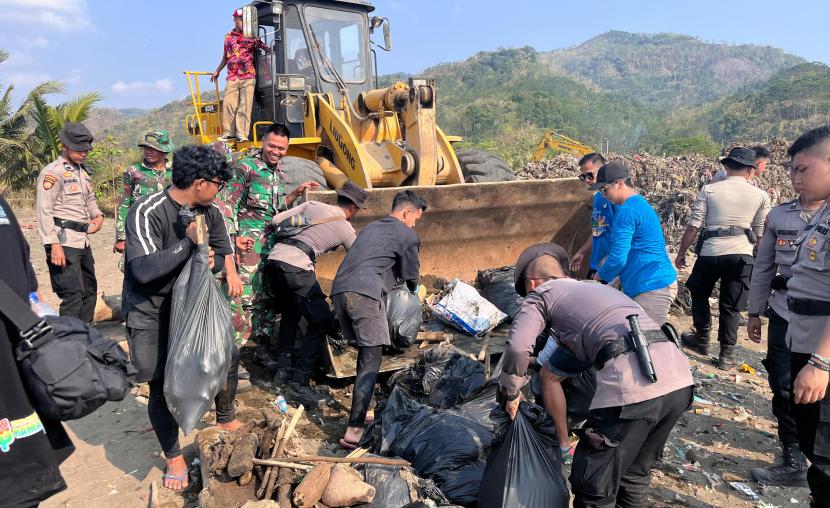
{"x": 40, "y": 308}
{"x": 282, "y": 405}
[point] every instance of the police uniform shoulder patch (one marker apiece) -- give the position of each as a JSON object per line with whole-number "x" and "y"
{"x": 49, "y": 182}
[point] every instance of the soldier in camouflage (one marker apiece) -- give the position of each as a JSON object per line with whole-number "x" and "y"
{"x": 255, "y": 195}
{"x": 143, "y": 178}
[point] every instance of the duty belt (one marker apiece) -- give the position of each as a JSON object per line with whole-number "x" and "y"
{"x": 728, "y": 231}
{"x": 620, "y": 346}
{"x": 808, "y": 307}
{"x": 302, "y": 246}
{"x": 80, "y": 227}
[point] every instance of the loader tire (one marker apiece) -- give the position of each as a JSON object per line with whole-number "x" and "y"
{"x": 298, "y": 170}
{"x": 480, "y": 166}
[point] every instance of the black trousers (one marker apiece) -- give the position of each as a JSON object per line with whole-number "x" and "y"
{"x": 301, "y": 297}
{"x": 777, "y": 364}
{"x": 148, "y": 353}
{"x": 75, "y": 283}
{"x": 733, "y": 271}
{"x": 813, "y": 422}
{"x": 613, "y": 460}
{"x": 368, "y": 365}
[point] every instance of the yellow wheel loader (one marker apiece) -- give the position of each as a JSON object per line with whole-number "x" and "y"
{"x": 318, "y": 77}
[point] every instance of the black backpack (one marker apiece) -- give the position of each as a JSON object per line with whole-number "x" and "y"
{"x": 69, "y": 368}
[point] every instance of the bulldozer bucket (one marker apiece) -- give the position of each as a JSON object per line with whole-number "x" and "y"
{"x": 475, "y": 226}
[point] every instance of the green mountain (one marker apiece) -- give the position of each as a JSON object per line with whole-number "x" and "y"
{"x": 789, "y": 103}
{"x": 667, "y": 70}
{"x": 170, "y": 117}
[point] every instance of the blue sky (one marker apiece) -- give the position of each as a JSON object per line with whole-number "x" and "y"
{"x": 134, "y": 52}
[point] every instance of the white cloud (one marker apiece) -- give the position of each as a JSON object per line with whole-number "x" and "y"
{"x": 37, "y": 42}
{"x": 63, "y": 15}
{"x": 27, "y": 80}
{"x": 159, "y": 85}
{"x": 74, "y": 76}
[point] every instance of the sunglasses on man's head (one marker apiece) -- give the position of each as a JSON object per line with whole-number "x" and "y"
{"x": 158, "y": 137}
{"x": 586, "y": 177}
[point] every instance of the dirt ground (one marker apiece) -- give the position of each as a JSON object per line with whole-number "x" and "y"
{"x": 118, "y": 456}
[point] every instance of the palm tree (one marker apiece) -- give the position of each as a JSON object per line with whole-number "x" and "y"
{"x": 29, "y": 134}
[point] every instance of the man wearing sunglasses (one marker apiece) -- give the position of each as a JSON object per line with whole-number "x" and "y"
{"x": 157, "y": 247}
{"x": 602, "y": 216}
{"x": 637, "y": 254}
{"x": 143, "y": 178}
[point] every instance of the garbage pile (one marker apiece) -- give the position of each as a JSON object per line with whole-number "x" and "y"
{"x": 671, "y": 184}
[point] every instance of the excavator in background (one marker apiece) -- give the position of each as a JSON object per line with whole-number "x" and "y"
{"x": 559, "y": 142}
{"x": 320, "y": 80}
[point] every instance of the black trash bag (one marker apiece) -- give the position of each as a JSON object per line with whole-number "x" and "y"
{"x": 201, "y": 342}
{"x": 404, "y": 314}
{"x": 419, "y": 379}
{"x": 461, "y": 377}
{"x": 396, "y": 485}
{"x": 524, "y": 469}
{"x": 498, "y": 287}
{"x": 442, "y": 445}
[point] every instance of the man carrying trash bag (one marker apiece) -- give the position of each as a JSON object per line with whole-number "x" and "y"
{"x": 643, "y": 379}
{"x": 161, "y": 237}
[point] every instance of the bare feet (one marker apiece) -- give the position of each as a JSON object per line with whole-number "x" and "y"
{"x": 352, "y": 437}
{"x": 175, "y": 478}
{"x": 230, "y": 426}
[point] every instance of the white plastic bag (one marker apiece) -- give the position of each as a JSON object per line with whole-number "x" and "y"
{"x": 460, "y": 305}
{"x": 200, "y": 345}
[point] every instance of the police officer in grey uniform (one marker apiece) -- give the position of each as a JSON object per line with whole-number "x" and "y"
{"x": 809, "y": 305}
{"x": 730, "y": 217}
{"x": 768, "y": 296}
{"x": 67, "y": 212}
{"x": 632, "y": 413}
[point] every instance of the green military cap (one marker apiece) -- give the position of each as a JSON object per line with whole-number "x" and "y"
{"x": 159, "y": 140}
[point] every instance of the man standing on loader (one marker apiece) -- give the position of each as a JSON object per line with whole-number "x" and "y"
{"x": 255, "y": 195}
{"x": 143, "y": 178}
{"x": 238, "y": 55}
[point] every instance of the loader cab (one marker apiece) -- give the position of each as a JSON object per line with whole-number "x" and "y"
{"x": 294, "y": 30}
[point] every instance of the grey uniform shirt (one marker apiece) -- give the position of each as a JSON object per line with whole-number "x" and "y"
{"x": 64, "y": 191}
{"x": 776, "y": 254}
{"x": 732, "y": 202}
{"x": 321, "y": 238}
{"x": 583, "y": 317}
{"x": 721, "y": 176}
{"x": 810, "y": 281}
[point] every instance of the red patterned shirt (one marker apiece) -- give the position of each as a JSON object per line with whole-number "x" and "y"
{"x": 239, "y": 52}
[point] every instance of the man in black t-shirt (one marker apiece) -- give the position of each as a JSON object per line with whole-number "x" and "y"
{"x": 31, "y": 447}
{"x": 159, "y": 243}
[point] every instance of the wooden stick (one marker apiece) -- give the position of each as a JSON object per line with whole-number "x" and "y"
{"x": 485, "y": 344}
{"x": 337, "y": 460}
{"x": 269, "y": 491}
{"x": 153, "y": 498}
{"x": 290, "y": 465}
{"x": 433, "y": 336}
{"x": 357, "y": 452}
{"x": 201, "y": 227}
{"x": 269, "y": 470}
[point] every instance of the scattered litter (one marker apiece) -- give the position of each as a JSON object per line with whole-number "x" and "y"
{"x": 749, "y": 369}
{"x": 711, "y": 375}
{"x": 704, "y": 412}
{"x": 729, "y": 477}
{"x": 714, "y": 481}
{"x": 742, "y": 415}
{"x": 700, "y": 400}
{"x": 744, "y": 489}
{"x": 681, "y": 453}
{"x": 762, "y": 504}
{"x": 134, "y": 471}
{"x": 692, "y": 468}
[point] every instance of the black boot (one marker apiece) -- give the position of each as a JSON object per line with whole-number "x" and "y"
{"x": 792, "y": 472}
{"x": 305, "y": 395}
{"x": 696, "y": 341}
{"x": 726, "y": 359}
{"x": 263, "y": 357}
{"x": 284, "y": 372}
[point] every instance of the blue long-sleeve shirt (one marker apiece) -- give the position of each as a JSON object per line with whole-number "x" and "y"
{"x": 637, "y": 253}
{"x": 602, "y": 216}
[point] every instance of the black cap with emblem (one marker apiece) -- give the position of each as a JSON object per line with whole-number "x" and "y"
{"x": 76, "y": 136}
{"x": 534, "y": 251}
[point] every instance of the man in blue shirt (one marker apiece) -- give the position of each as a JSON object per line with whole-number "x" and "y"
{"x": 602, "y": 216}
{"x": 637, "y": 252}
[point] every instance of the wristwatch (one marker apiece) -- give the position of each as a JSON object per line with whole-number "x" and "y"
{"x": 753, "y": 314}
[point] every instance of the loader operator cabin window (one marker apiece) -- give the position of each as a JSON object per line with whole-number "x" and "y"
{"x": 341, "y": 35}
{"x": 297, "y": 55}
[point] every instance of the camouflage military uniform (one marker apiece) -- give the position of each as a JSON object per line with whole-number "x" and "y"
{"x": 139, "y": 180}
{"x": 255, "y": 195}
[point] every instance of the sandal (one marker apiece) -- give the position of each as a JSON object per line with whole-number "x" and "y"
{"x": 349, "y": 445}
{"x": 181, "y": 478}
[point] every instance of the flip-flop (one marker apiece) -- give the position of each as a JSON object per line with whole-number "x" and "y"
{"x": 181, "y": 478}
{"x": 349, "y": 445}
